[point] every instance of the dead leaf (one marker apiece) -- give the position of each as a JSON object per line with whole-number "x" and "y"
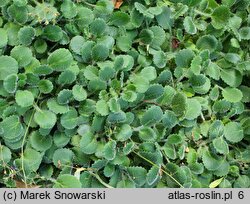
{"x": 20, "y": 184}
{"x": 117, "y": 3}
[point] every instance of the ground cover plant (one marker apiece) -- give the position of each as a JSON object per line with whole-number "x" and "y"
{"x": 148, "y": 93}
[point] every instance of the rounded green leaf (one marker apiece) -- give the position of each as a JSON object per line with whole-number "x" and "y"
{"x": 146, "y": 36}
{"x": 60, "y": 59}
{"x": 232, "y": 95}
{"x": 26, "y": 35}
{"x": 245, "y": 33}
{"x": 11, "y": 127}
{"x": 88, "y": 143}
{"x": 143, "y": 10}
{"x": 191, "y": 156}
{"x": 220, "y": 17}
{"x": 43, "y": 70}
{"x": 119, "y": 18}
{"x": 66, "y": 77}
{"x": 24, "y": 98}
{"x": 124, "y": 43}
{"x": 3, "y": 2}
{"x": 232, "y": 57}
{"x": 174, "y": 139}
{"x": 5, "y": 155}
{"x": 22, "y": 54}
{"x": 106, "y": 73}
{"x": 221, "y": 106}
{"x": 147, "y": 134}
{"x": 15, "y": 144}
{"x": 160, "y": 59}
{"x": 55, "y": 107}
{"x": 84, "y": 16}
{"x": 213, "y": 70}
{"x": 124, "y": 133}
{"x": 193, "y": 109}
{"x": 109, "y": 150}
{"x": 62, "y": 157}
{"x": 69, "y": 120}
{"x": 114, "y": 105}
{"x": 149, "y": 73}
{"x": 246, "y": 93}
{"x": 170, "y": 151}
{"x": 45, "y": 86}
{"x": 64, "y": 96}
{"x": 225, "y": 184}
{"x": 184, "y": 58}
{"x": 98, "y": 27}
{"x": 69, "y": 9}
{"x": 189, "y": 25}
{"x": 60, "y": 139}
{"x": 138, "y": 174}
{"x": 117, "y": 117}
{"x": 233, "y": 132}
{"x": 86, "y": 51}
{"x": 40, "y": 142}
{"x": 8, "y": 66}
{"x": 179, "y": 104}
{"x": 53, "y": 33}
{"x": 100, "y": 52}
{"x": 10, "y": 83}
{"x": 159, "y": 36}
{"x": 18, "y": 13}
{"x": 141, "y": 83}
{"x": 76, "y": 44}
{"x": 129, "y": 96}
{"x": 102, "y": 107}
{"x": 3, "y": 37}
{"x": 216, "y": 129}
{"x": 223, "y": 169}
{"x": 128, "y": 148}
{"x": 196, "y": 168}
{"x": 211, "y": 162}
{"x": 45, "y": 119}
{"x": 20, "y": 2}
{"x": 31, "y": 160}
{"x": 221, "y": 145}
{"x": 67, "y": 181}
{"x": 125, "y": 183}
{"x": 40, "y": 46}
{"x": 153, "y": 115}
{"x": 152, "y": 175}
{"x": 169, "y": 119}
{"x": 79, "y": 93}
{"x": 231, "y": 77}
{"x": 207, "y": 42}
{"x": 242, "y": 181}
{"x": 124, "y": 62}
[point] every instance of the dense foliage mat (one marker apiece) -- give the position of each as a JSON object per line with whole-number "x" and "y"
{"x": 148, "y": 93}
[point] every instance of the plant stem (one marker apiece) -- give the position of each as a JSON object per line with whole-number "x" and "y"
{"x": 87, "y": 3}
{"x": 100, "y": 180}
{"x": 24, "y": 138}
{"x": 160, "y": 169}
{"x": 202, "y": 13}
{"x": 22, "y": 148}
